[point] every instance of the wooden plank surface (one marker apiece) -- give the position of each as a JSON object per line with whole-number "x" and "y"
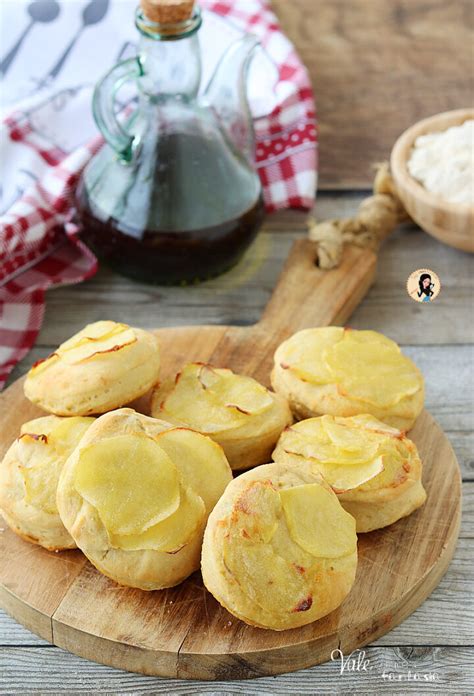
{"x": 64, "y": 673}
{"x": 441, "y": 620}
{"x": 438, "y": 340}
{"x": 378, "y": 66}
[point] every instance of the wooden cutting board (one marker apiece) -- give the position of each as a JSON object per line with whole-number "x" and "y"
{"x": 183, "y": 632}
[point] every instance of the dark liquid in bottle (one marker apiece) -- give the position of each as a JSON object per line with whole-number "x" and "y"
{"x": 193, "y": 182}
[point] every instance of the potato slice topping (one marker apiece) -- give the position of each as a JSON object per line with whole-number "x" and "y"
{"x": 40, "y": 469}
{"x": 43, "y": 447}
{"x": 316, "y": 521}
{"x": 277, "y": 539}
{"x": 172, "y": 533}
{"x": 374, "y": 372}
{"x": 200, "y": 461}
{"x": 213, "y": 399}
{"x": 67, "y": 434}
{"x": 358, "y": 451}
{"x": 365, "y": 365}
{"x": 131, "y": 482}
{"x": 96, "y": 339}
{"x": 231, "y": 390}
{"x": 303, "y": 353}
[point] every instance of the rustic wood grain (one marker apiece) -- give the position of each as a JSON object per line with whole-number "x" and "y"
{"x": 377, "y": 67}
{"x": 445, "y": 618}
{"x": 14, "y": 634}
{"x": 468, "y": 511}
{"x": 64, "y": 673}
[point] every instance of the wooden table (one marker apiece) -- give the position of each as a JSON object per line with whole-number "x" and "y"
{"x": 377, "y": 66}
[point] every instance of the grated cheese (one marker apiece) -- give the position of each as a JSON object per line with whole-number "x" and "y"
{"x": 444, "y": 163}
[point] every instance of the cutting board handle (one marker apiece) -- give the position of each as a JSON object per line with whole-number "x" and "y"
{"x": 306, "y": 295}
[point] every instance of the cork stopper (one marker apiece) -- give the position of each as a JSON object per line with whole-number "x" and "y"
{"x": 167, "y": 11}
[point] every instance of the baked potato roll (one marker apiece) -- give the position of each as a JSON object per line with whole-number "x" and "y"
{"x": 374, "y": 469}
{"x": 344, "y": 372}
{"x": 279, "y": 551}
{"x": 135, "y": 496}
{"x": 104, "y": 366}
{"x": 239, "y": 413}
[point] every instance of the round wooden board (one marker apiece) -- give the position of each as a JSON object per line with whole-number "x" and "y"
{"x": 183, "y": 632}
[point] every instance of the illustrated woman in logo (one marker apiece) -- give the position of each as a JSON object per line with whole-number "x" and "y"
{"x": 426, "y": 287}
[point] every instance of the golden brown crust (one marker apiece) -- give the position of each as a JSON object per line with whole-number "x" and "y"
{"x": 276, "y": 584}
{"x": 375, "y": 515}
{"x": 107, "y": 380}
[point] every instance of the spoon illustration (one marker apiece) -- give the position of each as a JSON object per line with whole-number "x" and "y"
{"x": 93, "y": 13}
{"x": 43, "y": 11}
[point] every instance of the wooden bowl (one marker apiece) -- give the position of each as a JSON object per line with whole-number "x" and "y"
{"x": 451, "y": 223}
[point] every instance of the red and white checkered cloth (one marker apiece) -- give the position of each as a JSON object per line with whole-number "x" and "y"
{"x": 39, "y": 247}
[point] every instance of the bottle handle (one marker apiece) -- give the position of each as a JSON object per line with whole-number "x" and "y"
{"x": 103, "y": 106}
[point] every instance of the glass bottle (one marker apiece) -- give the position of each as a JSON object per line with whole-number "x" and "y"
{"x": 173, "y": 196}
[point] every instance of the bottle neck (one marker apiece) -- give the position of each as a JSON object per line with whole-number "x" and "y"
{"x": 171, "y": 58}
